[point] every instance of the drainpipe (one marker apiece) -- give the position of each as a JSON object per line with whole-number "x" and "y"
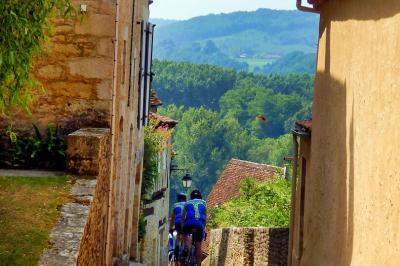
{"x": 300, "y": 7}
{"x": 113, "y": 123}
{"x": 293, "y": 198}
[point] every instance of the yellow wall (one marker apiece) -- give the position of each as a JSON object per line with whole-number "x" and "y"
{"x": 352, "y": 211}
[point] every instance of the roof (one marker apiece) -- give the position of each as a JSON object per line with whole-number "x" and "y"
{"x": 305, "y": 125}
{"x": 163, "y": 121}
{"x": 316, "y": 2}
{"x": 228, "y": 184}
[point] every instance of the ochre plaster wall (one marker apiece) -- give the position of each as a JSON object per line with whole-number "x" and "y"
{"x": 352, "y": 211}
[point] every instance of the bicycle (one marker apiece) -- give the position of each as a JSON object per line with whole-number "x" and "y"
{"x": 190, "y": 258}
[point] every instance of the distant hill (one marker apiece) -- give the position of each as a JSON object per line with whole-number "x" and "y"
{"x": 240, "y": 40}
{"x": 162, "y": 22}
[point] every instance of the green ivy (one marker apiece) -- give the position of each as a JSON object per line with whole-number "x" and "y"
{"x": 25, "y": 25}
{"x": 142, "y": 227}
{"x": 152, "y": 147}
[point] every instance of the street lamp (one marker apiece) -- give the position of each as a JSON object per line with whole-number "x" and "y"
{"x": 187, "y": 181}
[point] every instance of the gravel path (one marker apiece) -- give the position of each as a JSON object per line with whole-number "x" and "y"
{"x": 30, "y": 173}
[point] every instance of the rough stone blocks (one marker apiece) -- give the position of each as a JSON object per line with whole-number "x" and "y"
{"x": 85, "y": 151}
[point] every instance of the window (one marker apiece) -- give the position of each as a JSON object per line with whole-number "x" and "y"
{"x": 146, "y": 56}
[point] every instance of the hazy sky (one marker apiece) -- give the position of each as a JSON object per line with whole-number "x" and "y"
{"x": 184, "y": 9}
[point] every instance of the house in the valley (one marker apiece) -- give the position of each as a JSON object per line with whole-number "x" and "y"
{"x": 348, "y": 197}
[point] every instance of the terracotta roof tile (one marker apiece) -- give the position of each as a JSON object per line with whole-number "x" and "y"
{"x": 228, "y": 184}
{"x": 163, "y": 121}
{"x": 305, "y": 124}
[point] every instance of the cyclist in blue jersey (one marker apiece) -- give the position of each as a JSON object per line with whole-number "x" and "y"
{"x": 176, "y": 221}
{"x": 194, "y": 221}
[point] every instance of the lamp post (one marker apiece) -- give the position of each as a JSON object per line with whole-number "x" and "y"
{"x": 187, "y": 182}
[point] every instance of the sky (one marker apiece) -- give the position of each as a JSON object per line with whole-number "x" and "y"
{"x": 184, "y": 9}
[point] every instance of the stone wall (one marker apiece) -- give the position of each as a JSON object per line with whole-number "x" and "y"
{"x": 76, "y": 73}
{"x": 90, "y": 149}
{"x": 248, "y": 246}
{"x": 65, "y": 238}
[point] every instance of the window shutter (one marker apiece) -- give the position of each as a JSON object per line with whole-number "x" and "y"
{"x": 148, "y": 74}
{"x": 142, "y": 76}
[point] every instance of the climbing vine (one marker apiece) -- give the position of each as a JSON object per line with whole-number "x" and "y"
{"x": 24, "y": 29}
{"x": 155, "y": 139}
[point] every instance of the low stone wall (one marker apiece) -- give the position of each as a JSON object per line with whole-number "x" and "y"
{"x": 66, "y": 236}
{"x": 88, "y": 153}
{"x": 248, "y": 246}
{"x": 80, "y": 236}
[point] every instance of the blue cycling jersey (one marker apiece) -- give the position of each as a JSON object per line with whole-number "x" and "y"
{"x": 195, "y": 211}
{"x": 178, "y": 210}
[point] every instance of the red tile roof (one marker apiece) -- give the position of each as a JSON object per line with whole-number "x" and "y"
{"x": 163, "y": 121}
{"x": 228, "y": 184}
{"x": 306, "y": 125}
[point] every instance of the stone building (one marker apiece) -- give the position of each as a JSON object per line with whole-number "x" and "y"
{"x": 348, "y": 206}
{"x": 153, "y": 248}
{"x": 96, "y": 78}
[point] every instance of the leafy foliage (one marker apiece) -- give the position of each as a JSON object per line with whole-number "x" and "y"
{"x": 265, "y": 204}
{"x": 191, "y": 85}
{"x": 141, "y": 227}
{"x": 251, "y": 121}
{"x": 272, "y": 33}
{"x": 24, "y": 25}
{"x": 152, "y": 146}
{"x": 36, "y": 151}
{"x": 205, "y": 141}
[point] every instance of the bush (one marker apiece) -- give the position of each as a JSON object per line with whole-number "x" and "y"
{"x": 35, "y": 151}
{"x": 265, "y": 204}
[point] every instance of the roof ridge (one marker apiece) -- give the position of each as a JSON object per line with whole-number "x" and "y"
{"x": 254, "y": 163}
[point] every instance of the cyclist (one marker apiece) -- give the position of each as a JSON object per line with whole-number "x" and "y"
{"x": 176, "y": 221}
{"x": 194, "y": 220}
{"x": 171, "y": 252}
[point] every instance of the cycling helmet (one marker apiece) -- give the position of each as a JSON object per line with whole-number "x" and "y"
{"x": 181, "y": 197}
{"x": 196, "y": 194}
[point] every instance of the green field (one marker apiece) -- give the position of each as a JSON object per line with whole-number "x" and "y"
{"x": 255, "y": 62}
{"x": 28, "y": 211}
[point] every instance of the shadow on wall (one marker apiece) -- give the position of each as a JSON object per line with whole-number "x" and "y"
{"x": 329, "y": 210}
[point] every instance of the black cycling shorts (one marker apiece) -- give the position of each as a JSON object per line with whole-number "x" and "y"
{"x": 197, "y": 231}
{"x": 178, "y": 228}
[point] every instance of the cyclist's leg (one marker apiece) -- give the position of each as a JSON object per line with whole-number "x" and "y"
{"x": 198, "y": 238}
